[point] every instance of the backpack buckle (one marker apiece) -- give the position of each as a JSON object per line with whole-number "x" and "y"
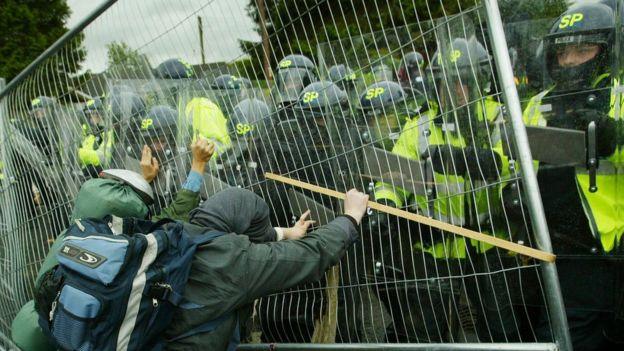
{"x": 160, "y": 291}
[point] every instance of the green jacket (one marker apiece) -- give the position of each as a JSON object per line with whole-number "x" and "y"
{"x": 229, "y": 273}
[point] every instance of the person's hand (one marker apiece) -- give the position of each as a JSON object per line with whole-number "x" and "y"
{"x": 202, "y": 153}
{"x": 300, "y": 228}
{"x": 149, "y": 164}
{"x": 355, "y": 204}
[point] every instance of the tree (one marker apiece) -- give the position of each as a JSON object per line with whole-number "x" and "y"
{"x": 298, "y": 26}
{"x": 27, "y": 28}
{"x": 369, "y": 29}
{"x": 125, "y": 62}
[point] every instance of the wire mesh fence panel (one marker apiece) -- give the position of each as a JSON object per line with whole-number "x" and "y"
{"x": 400, "y": 99}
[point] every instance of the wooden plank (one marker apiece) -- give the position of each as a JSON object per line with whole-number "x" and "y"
{"x": 471, "y": 234}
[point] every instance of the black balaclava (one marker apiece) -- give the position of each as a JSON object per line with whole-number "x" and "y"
{"x": 236, "y": 210}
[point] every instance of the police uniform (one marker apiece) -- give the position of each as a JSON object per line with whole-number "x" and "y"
{"x": 586, "y": 223}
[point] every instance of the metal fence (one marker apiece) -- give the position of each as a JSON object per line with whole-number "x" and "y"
{"x": 415, "y": 102}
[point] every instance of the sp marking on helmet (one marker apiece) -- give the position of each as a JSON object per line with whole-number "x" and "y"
{"x": 248, "y": 116}
{"x": 157, "y": 129}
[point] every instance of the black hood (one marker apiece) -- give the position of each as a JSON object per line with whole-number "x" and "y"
{"x": 236, "y": 210}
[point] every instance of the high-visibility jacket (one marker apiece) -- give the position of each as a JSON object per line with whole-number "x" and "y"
{"x": 91, "y": 154}
{"x": 452, "y": 191}
{"x": 604, "y": 208}
{"x": 204, "y": 118}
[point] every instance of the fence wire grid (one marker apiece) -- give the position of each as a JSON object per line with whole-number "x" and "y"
{"x": 400, "y": 99}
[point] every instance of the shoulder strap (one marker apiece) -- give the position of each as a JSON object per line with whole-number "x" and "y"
{"x": 136, "y": 225}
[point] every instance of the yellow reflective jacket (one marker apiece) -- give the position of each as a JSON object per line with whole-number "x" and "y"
{"x": 451, "y": 190}
{"x": 206, "y": 119}
{"x": 89, "y": 155}
{"x": 604, "y": 208}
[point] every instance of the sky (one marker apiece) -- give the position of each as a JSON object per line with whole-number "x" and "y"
{"x": 164, "y": 29}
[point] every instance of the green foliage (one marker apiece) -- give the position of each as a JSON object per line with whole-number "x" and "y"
{"x": 27, "y": 28}
{"x": 298, "y": 26}
{"x": 125, "y": 62}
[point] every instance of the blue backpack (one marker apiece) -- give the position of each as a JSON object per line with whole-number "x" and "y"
{"x": 115, "y": 291}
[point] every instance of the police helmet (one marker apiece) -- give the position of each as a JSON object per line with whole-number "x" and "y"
{"x": 174, "y": 69}
{"x": 580, "y": 25}
{"x": 94, "y": 112}
{"x": 294, "y": 73}
{"x": 94, "y": 105}
{"x": 382, "y": 95}
{"x": 340, "y": 73}
{"x": 160, "y": 121}
{"x": 296, "y": 61}
{"x": 412, "y": 60}
{"x": 227, "y": 81}
{"x": 248, "y": 115}
{"x": 461, "y": 73}
{"x": 125, "y": 106}
{"x": 40, "y": 106}
{"x": 464, "y": 59}
{"x": 321, "y": 95}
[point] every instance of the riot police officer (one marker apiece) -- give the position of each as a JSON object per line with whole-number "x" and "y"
{"x": 248, "y": 128}
{"x": 383, "y": 108}
{"x": 124, "y": 107}
{"x": 40, "y": 128}
{"x": 583, "y": 209}
{"x": 411, "y": 71}
{"x": 345, "y": 78}
{"x": 457, "y": 137}
{"x": 95, "y": 151}
{"x": 294, "y": 72}
{"x": 157, "y": 129}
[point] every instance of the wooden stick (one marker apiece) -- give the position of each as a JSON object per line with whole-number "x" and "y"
{"x": 489, "y": 239}
{"x": 325, "y": 326}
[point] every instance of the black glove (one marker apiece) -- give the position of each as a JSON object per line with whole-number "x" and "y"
{"x": 479, "y": 163}
{"x": 384, "y": 222}
{"x": 606, "y": 129}
{"x": 448, "y": 159}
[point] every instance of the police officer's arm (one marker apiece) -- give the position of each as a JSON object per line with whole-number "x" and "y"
{"x": 281, "y": 265}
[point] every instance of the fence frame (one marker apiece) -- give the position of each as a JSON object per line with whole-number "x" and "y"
{"x": 554, "y": 298}
{"x": 501, "y": 57}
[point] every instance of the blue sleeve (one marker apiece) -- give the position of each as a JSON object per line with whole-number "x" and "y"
{"x": 193, "y": 182}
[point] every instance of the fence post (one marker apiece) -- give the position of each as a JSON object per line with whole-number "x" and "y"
{"x": 554, "y": 298}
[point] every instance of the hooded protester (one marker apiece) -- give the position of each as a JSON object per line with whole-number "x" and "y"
{"x": 230, "y": 272}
